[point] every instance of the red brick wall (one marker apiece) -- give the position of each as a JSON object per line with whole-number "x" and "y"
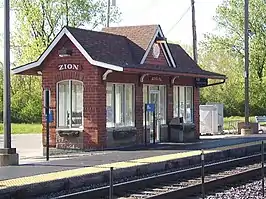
{"x": 184, "y": 81}
{"x": 196, "y": 109}
{"x": 161, "y": 60}
{"x": 94, "y": 93}
{"x": 139, "y": 112}
{"x": 170, "y": 101}
{"x": 94, "y": 133}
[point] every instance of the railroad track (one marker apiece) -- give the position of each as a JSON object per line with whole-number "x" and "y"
{"x": 179, "y": 184}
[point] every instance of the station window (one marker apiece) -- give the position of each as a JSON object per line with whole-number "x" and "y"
{"x": 183, "y": 103}
{"x": 70, "y": 104}
{"x": 120, "y": 100}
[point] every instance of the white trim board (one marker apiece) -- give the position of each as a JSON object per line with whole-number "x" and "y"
{"x": 66, "y": 32}
{"x": 149, "y": 46}
{"x": 171, "y": 62}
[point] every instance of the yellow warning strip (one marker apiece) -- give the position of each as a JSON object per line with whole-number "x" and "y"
{"x": 117, "y": 165}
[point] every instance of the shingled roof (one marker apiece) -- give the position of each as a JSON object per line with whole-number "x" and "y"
{"x": 186, "y": 63}
{"x": 122, "y": 47}
{"x": 104, "y": 47}
{"x": 140, "y": 37}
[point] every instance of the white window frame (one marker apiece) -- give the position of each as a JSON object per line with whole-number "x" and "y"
{"x": 177, "y": 96}
{"x": 149, "y": 90}
{"x": 57, "y": 106}
{"x": 113, "y": 84}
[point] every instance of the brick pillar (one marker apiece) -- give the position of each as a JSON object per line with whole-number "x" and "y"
{"x": 139, "y": 112}
{"x": 94, "y": 113}
{"x": 169, "y": 102}
{"x": 101, "y": 117}
{"x": 196, "y": 109}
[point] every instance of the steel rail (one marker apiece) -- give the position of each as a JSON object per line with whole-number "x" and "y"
{"x": 120, "y": 188}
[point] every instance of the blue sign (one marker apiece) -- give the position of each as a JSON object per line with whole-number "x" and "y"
{"x": 50, "y": 116}
{"x": 150, "y": 107}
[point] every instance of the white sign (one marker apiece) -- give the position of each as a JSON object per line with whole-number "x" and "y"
{"x": 68, "y": 67}
{"x": 156, "y": 79}
{"x": 156, "y": 50}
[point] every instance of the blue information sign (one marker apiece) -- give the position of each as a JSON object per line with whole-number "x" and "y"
{"x": 150, "y": 107}
{"x": 50, "y": 116}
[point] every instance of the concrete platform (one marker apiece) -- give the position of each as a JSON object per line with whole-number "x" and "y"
{"x": 94, "y": 167}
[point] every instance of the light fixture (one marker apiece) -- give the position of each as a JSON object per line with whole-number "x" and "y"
{"x": 159, "y": 39}
{"x": 64, "y": 52}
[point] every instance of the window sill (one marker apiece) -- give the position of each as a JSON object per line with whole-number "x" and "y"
{"x": 70, "y": 129}
{"x": 121, "y": 128}
{"x": 122, "y": 133}
{"x": 69, "y": 132}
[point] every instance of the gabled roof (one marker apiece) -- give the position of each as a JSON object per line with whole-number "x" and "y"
{"x": 186, "y": 63}
{"x": 104, "y": 47}
{"x": 118, "y": 48}
{"x": 65, "y": 31}
{"x": 141, "y": 36}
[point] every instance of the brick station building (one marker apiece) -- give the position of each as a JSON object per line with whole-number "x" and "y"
{"x": 100, "y": 81}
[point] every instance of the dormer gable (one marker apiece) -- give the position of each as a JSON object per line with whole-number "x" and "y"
{"x": 158, "y": 52}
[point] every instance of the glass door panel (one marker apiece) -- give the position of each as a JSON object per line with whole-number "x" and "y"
{"x": 155, "y": 99}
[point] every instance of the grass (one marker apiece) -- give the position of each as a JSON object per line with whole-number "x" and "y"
{"x": 231, "y": 122}
{"x": 23, "y": 128}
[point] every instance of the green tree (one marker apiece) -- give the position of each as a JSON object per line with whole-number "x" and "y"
{"x": 230, "y": 93}
{"x": 37, "y": 23}
{"x": 230, "y": 22}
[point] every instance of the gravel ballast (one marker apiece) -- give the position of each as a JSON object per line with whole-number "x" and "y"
{"x": 250, "y": 190}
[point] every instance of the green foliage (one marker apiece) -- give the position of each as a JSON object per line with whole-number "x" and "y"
{"x": 37, "y": 23}
{"x": 224, "y": 53}
{"x": 231, "y": 122}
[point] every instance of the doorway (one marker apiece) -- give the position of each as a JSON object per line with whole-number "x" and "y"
{"x": 155, "y": 94}
{"x": 155, "y": 98}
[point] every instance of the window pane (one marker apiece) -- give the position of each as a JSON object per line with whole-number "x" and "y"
{"x": 63, "y": 104}
{"x": 77, "y": 104}
{"x": 129, "y": 105}
{"x": 182, "y": 102}
{"x": 109, "y": 105}
{"x": 189, "y": 104}
{"x": 119, "y": 102}
{"x": 162, "y": 106}
{"x": 175, "y": 102}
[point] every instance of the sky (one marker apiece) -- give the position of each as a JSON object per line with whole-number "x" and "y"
{"x": 174, "y": 16}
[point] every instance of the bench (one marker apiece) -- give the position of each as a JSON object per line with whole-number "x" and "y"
{"x": 259, "y": 119}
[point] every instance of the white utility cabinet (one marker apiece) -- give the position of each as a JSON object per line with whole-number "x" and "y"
{"x": 208, "y": 119}
{"x": 220, "y": 108}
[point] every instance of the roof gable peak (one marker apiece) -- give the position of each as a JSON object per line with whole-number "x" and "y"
{"x": 163, "y": 45}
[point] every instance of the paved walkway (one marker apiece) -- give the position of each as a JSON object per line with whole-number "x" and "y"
{"x": 27, "y": 145}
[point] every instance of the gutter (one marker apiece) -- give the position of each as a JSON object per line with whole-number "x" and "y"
{"x": 217, "y": 83}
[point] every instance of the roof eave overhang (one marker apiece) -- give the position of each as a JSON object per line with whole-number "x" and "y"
{"x": 170, "y": 73}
